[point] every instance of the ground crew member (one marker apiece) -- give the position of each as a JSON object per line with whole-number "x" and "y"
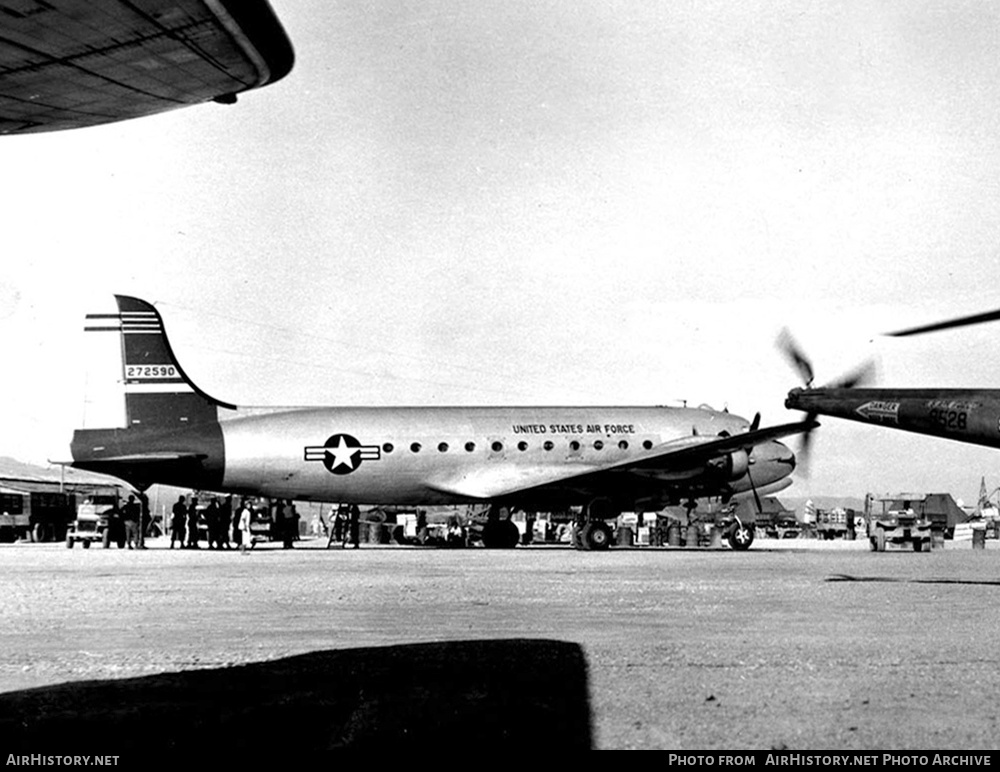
{"x": 286, "y": 523}
{"x": 145, "y": 521}
{"x": 244, "y": 527}
{"x": 212, "y": 519}
{"x": 340, "y": 525}
{"x": 179, "y": 514}
{"x": 192, "y": 523}
{"x": 131, "y": 516}
{"x": 226, "y": 516}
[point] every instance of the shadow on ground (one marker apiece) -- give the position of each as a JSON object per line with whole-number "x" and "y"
{"x": 522, "y": 694}
{"x": 849, "y": 578}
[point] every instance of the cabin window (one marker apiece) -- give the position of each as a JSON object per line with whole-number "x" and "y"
{"x": 548, "y": 445}
{"x": 415, "y": 447}
{"x": 497, "y": 446}
{"x": 443, "y": 447}
{"x": 598, "y": 444}
{"x": 647, "y": 444}
{"x": 522, "y": 445}
{"x": 470, "y": 446}
{"x": 574, "y": 445}
{"x": 623, "y": 444}
{"x": 388, "y": 448}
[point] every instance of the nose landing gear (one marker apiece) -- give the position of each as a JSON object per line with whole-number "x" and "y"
{"x": 740, "y": 535}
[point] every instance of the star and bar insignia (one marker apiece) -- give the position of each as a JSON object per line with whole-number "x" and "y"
{"x": 342, "y": 453}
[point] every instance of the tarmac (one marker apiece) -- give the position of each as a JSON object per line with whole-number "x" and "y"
{"x": 791, "y": 645}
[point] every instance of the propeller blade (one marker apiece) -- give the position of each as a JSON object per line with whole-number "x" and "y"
{"x": 794, "y": 353}
{"x": 964, "y": 321}
{"x": 756, "y": 497}
{"x": 804, "y": 455}
{"x": 755, "y": 424}
{"x": 859, "y": 376}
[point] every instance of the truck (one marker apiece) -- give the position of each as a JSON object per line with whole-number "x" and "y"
{"x": 98, "y": 519}
{"x": 940, "y": 508}
{"x": 34, "y": 515}
{"x": 892, "y": 520}
{"x": 836, "y": 523}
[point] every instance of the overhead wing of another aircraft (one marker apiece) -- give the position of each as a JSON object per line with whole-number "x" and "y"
{"x": 67, "y": 64}
{"x": 967, "y": 415}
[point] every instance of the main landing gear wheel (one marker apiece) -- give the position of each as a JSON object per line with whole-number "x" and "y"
{"x": 741, "y": 536}
{"x": 500, "y": 534}
{"x": 596, "y": 536}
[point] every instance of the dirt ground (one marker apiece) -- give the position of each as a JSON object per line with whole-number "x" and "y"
{"x": 791, "y": 645}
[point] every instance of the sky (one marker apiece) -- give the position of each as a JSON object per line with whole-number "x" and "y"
{"x": 542, "y": 203}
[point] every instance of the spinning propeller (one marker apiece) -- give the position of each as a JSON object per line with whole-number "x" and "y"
{"x": 754, "y": 425}
{"x": 861, "y": 375}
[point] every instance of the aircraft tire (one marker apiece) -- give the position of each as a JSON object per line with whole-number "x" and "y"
{"x": 85, "y": 544}
{"x": 501, "y": 535}
{"x": 740, "y": 536}
{"x": 69, "y": 542}
{"x": 596, "y": 535}
{"x": 511, "y": 536}
{"x": 879, "y": 540}
{"x": 106, "y": 539}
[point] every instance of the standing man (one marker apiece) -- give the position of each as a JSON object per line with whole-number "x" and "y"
{"x": 192, "y": 523}
{"x": 339, "y": 524}
{"x": 177, "y": 517}
{"x": 131, "y": 516}
{"x": 241, "y": 535}
{"x": 212, "y": 519}
{"x": 225, "y": 521}
{"x": 145, "y": 520}
{"x": 243, "y": 527}
{"x": 285, "y": 523}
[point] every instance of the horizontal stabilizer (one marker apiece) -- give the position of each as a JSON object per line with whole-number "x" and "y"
{"x": 152, "y": 458}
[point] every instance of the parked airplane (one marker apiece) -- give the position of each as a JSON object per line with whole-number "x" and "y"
{"x": 76, "y": 63}
{"x": 966, "y": 415}
{"x": 164, "y": 429}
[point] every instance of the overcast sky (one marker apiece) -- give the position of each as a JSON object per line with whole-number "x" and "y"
{"x": 587, "y": 203}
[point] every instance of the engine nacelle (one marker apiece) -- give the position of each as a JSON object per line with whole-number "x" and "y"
{"x": 731, "y": 466}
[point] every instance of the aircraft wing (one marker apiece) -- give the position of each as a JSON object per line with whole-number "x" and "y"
{"x": 68, "y": 64}
{"x": 507, "y": 479}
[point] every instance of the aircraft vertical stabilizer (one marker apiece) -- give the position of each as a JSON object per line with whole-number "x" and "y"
{"x": 147, "y": 421}
{"x": 152, "y": 386}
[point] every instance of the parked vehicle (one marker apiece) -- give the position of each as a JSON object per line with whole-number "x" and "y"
{"x": 887, "y": 525}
